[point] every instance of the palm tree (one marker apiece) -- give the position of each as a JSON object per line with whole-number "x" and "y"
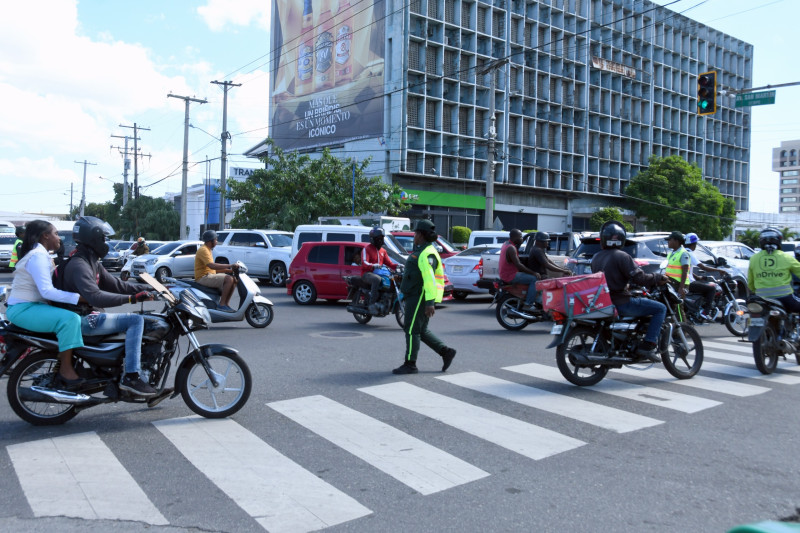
{"x": 788, "y": 234}
{"x": 750, "y": 238}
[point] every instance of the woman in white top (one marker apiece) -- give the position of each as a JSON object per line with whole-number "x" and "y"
{"x": 31, "y": 290}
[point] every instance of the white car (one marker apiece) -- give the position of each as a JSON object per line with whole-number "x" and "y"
{"x": 173, "y": 259}
{"x": 265, "y": 252}
{"x": 735, "y": 253}
{"x": 463, "y": 270}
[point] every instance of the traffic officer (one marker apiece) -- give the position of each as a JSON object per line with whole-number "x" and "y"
{"x": 679, "y": 262}
{"x": 20, "y": 233}
{"x": 771, "y": 269}
{"x": 422, "y": 288}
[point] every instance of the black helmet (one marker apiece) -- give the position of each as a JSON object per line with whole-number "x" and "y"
{"x": 376, "y": 236}
{"x": 541, "y": 236}
{"x": 209, "y": 235}
{"x": 770, "y": 239}
{"x": 93, "y": 233}
{"x": 612, "y": 235}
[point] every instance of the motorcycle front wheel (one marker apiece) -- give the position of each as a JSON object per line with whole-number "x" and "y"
{"x": 37, "y": 369}
{"x": 508, "y": 321}
{"x": 258, "y": 315}
{"x": 579, "y": 342}
{"x": 737, "y": 320}
{"x": 766, "y": 351}
{"x": 230, "y": 394}
{"x": 682, "y": 358}
{"x": 400, "y": 313}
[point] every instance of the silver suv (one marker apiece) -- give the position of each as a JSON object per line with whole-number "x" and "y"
{"x": 265, "y": 252}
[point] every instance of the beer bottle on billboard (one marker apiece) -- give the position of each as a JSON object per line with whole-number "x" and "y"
{"x": 305, "y": 56}
{"x": 323, "y": 50}
{"x": 344, "y": 40}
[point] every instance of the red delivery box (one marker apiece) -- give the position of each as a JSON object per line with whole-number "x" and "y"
{"x": 584, "y": 296}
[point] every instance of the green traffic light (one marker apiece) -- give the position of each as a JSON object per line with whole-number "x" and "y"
{"x": 703, "y": 104}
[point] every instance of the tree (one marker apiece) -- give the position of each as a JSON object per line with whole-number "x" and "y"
{"x": 296, "y": 189}
{"x": 750, "y": 238}
{"x": 152, "y": 218}
{"x": 672, "y": 195}
{"x": 605, "y": 214}
{"x": 788, "y": 234}
{"x": 108, "y": 211}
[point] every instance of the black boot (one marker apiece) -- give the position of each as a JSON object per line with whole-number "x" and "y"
{"x": 447, "y": 356}
{"x": 409, "y": 367}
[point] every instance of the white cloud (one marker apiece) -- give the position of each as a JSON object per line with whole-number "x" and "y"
{"x": 219, "y": 13}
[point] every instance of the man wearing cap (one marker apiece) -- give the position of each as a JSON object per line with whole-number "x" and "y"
{"x": 702, "y": 287}
{"x": 538, "y": 260}
{"x": 679, "y": 262}
{"x": 422, "y": 288}
{"x": 211, "y": 274}
{"x": 511, "y": 270}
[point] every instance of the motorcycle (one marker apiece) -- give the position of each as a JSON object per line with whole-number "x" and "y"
{"x": 773, "y": 331}
{"x": 212, "y": 379}
{"x": 390, "y": 299}
{"x": 510, "y": 301}
{"x": 730, "y": 310}
{"x": 253, "y": 307}
{"x": 588, "y": 347}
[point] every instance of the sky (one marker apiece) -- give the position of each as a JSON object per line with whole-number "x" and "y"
{"x": 72, "y": 72}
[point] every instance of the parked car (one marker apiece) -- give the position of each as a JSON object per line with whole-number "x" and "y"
{"x": 334, "y": 232}
{"x": 113, "y": 259}
{"x": 318, "y": 270}
{"x": 265, "y": 252}
{"x": 736, "y": 253}
{"x": 173, "y": 259}
{"x": 7, "y": 241}
{"x": 463, "y": 270}
{"x": 406, "y": 240}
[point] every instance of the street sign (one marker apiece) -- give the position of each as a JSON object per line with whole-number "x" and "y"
{"x": 751, "y": 99}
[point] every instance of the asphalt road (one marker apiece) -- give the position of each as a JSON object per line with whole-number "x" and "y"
{"x": 330, "y": 439}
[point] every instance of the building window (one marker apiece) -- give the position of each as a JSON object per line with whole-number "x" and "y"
{"x": 789, "y": 199}
{"x": 788, "y": 191}
{"x": 789, "y": 208}
{"x": 789, "y": 182}
{"x": 786, "y": 173}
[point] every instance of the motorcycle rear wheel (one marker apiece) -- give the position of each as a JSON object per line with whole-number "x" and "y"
{"x": 361, "y": 300}
{"x": 580, "y": 341}
{"x": 400, "y": 314}
{"x": 682, "y": 360}
{"x": 736, "y": 323}
{"x": 37, "y": 369}
{"x": 504, "y": 306}
{"x": 259, "y": 315}
{"x": 766, "y": 351}
{"x": 232, "y": 392}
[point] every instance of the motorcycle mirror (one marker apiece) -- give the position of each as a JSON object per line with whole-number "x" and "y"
{"x": 663, "y": 264}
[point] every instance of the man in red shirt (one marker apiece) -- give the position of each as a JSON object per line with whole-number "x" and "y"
{"x": 511, "y": 269}
{"x": 373, "y": 257}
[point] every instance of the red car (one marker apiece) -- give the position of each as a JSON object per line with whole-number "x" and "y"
{"x": 406, "y": 240}
{"x": 318, "y": 270}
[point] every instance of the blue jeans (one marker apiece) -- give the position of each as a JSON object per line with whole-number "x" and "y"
{"x": 646, "y": 307}
{"x": 108, "y": 323}
{"x": 529, "y": 280}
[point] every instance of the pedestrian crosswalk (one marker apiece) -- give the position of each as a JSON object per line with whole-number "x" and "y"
{"x": 81, "y": 475}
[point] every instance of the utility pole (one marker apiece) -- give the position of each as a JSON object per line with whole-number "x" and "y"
{"x": 135, "y": 157}
{"x": 490, "y": 68}
{"x": 224, "y": 136}
{"x": 185, "y": 174}
{"x": 83, "y": 195}
{"x": 126, "y": 163}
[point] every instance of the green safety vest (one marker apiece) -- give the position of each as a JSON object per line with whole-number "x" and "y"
{"x": 674, "y": 267}
{"x": 433, "y": 285}
{"x": 14, "y": 257}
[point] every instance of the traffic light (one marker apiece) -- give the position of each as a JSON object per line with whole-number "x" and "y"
{"x": 707, "y": 93}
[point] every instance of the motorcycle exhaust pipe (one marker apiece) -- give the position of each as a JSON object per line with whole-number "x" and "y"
{"x": 41, "y": 394}
{"x": 357, "y": 309}
{"x": 520, "y": 314}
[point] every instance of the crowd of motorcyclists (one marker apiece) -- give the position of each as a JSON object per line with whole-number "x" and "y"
{"x": 69, "y": 300}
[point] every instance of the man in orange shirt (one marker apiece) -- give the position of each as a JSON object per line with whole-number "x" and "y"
{"x": 211, "y": 274}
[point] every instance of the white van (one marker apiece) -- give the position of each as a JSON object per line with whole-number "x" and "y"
{"x": 479, "y": 237}
{"x": 335, "y": 232}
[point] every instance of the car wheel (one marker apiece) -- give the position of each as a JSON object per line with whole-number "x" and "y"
{"x": 304, "y": 292}
{"x": 162, "y": 273}
{"x": 277, "y": 274}
{"x": 460, "y": 295}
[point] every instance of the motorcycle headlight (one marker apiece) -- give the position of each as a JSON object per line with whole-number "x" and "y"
{"x": 754, "y": 307}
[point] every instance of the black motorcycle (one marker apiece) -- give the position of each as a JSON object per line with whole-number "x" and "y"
{"x": 390, "y": 299}
{"x": 212, "y": 379}
{"x": 730, "y": 310}
{"x": 774, "y": 332}
{"x": 588, "y": 347}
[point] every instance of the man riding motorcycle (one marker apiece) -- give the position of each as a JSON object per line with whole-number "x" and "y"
{"x": 538, "y": 260}
{"x": 84, "y": 273}
{"x": 619, "y": 269}
{"x": 372, "y": 258}
{"x": 511, "y": 270}
{"x": 702, "y": 287}
{"x": 771, "y": 269}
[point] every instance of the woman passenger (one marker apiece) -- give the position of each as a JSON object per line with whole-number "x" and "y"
{"x": 33, "y": 287}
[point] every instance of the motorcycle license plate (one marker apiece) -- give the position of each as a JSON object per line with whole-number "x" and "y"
{"x": 557, "y": 329}
{"x": 756, "y": 322}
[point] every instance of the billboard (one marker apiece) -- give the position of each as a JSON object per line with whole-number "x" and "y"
{"x": 327, "y": 72}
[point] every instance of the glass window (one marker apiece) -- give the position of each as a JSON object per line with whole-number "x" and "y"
{"x": 788, "y": 191}
{"x": 483, "y": 240}
{"x": 341, "y": 237}
{"x": 658, "y": 247}
{"x": 789, "y": 199}
{"x": 6, "y": 238}
{"x": 790, "y": 173}
{"x": 407, "y": 241}
{"x": 166, "y": 249}
{"x": 328, "y": 255}
{"x": 704, "y": 256}
{"x": 365, "y": 237}
{"x": 789, "y": 208}
{"x": 308, "y": 236}
{"x": 246, "y": 239}
{"x": 747, "y": 253}
{"x": 221, "y": 236}
{"x": 189, "y": 250}
{"x": 279, "y": 239}
{"x": 789, "y": 182}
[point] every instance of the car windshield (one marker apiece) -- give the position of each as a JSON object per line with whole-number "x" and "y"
{"x": 475, "y": 250}
{"x": 587, "y": 249}
{"x": 165, "y": 249}
{"x": 407, "y": 241}
{"x": 449, "y": 248}
{"x": 280, "y": 240}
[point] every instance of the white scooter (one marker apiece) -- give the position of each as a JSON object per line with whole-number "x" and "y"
{"x": 253, "y": 307}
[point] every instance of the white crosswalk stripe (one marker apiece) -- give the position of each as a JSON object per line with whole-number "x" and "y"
{"x": 743, "y": 354}
{"x": 421, "y": 466}
{"x": 518, "y": 436}
{"x": 277, "y": 492}
{"x": 698, "y": 381}
{"x": 631, "y": 391}
{"x": 78, "y": 476}
{"x": 751, "y": 372}
{"x": 577, "y": 409}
